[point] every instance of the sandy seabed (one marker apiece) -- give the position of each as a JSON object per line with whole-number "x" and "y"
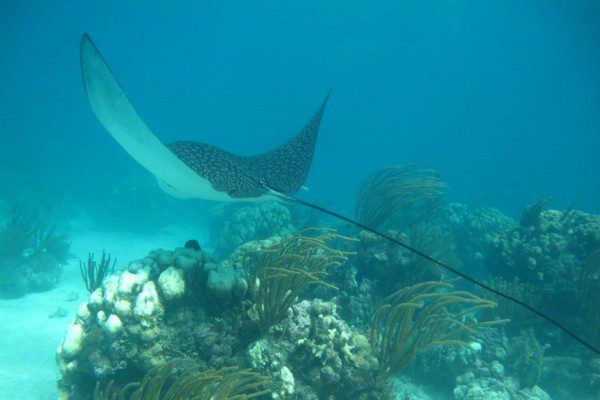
{"x": 29, "y": 337}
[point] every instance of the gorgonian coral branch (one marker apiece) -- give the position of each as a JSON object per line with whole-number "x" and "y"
{"x": 278, "y": 274}
{"x": 421, "y": 316}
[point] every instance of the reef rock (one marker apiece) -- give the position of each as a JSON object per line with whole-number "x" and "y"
{"x": 255, "y": 222}
{"x": 547, "y": 250}
{"x": 121, "y": 326}
{"x": 316, "y": 355}
{"x": 172, "y": 283}
{"x": 476, "y": 231}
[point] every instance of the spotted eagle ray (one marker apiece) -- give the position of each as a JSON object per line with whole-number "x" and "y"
{"x": 198, "y": 170}
{"x": 191, "y": 169}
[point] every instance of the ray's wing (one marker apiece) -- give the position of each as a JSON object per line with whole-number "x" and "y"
{"x": 282, "y": 169}
{"x": 285, "y": 168}
{"x": 189, "y": 169}
{"x": 120, "y": 119}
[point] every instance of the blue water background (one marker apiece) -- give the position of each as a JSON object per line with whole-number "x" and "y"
{"x": 502, "y": 96}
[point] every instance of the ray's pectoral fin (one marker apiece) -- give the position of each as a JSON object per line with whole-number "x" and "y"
{"x": 285, "y": 168}
{"x": 191, "y": 169}
{"x": 120, "y": 119}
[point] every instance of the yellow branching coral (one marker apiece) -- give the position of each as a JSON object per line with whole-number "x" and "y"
{"x": 276, "y": 275}
{"x": 398, "y": 187}
{"x": 223, "y": 384}
{"x": 421, "y": 316}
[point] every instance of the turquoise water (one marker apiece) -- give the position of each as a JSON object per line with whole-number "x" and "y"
{"x": 501, "y": 98}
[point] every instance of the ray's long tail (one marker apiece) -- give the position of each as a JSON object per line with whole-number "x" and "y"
{"x": 455, "y": 271}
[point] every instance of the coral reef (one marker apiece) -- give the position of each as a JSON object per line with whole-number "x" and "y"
{"x": 164, "y": 307}
{"x": 481, "y": 370}
{"x": 548, "y": 250}
{"x": 254, "y": 222}
{"x": 419, "y": 317}
{"x": 278, "y": 274}
{"x": 31, "y": 254}
{"x": 519, "y": 317}
{"x": 526, "y": 358}
{"x": 315, "y": 355}
{"x": 355, "y": 298}
{"x": 475, "y": 231}
{"x": 299, "y": 310}
{"x": 392, "y": 267}
{"x": 122, "y": 327}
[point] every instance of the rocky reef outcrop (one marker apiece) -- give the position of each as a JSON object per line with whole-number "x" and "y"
{"x": 184, "y": 304}
{"x": 253, "y": 222}
{"x": 180, "y": 304}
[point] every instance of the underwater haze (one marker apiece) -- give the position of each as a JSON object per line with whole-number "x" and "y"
{"x": 501, "y": 96}
{"x": 486, "y": 115}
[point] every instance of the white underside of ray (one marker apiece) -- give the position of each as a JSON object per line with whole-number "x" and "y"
{"x": 120, "y": 119}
